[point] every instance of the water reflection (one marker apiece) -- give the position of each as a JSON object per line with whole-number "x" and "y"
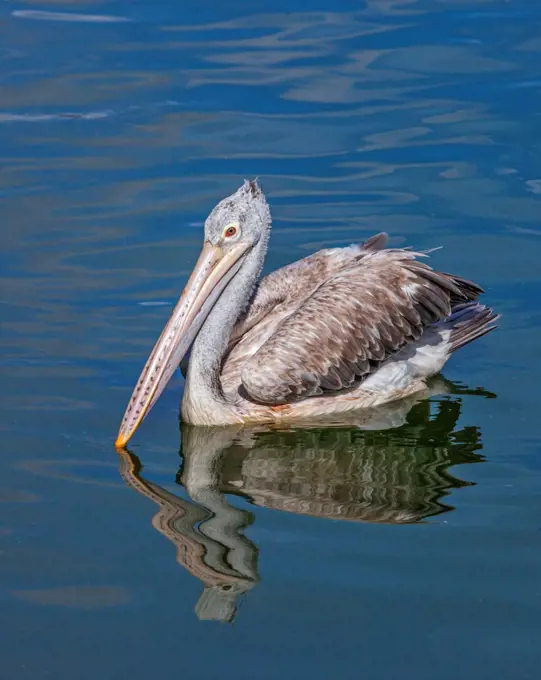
{"x": 393, "y": 470}
{"x": 207, "y": 533}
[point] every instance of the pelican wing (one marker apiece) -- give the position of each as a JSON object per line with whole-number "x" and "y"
{"x": 350, "y": 324}
{"x": 281, "y": 294}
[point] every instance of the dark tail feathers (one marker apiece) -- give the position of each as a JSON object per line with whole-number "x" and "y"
{"x": 469, "y": 289}
{"x": 467, "y": 322}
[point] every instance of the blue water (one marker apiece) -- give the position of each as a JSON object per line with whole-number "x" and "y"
{"x": 410, "y": 552}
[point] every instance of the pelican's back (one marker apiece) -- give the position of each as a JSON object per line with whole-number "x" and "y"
{"x": 341, "y": 318}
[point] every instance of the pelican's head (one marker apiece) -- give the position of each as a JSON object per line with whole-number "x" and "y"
{"x": 234, "y": 228}
{"x": 242, "y": 218}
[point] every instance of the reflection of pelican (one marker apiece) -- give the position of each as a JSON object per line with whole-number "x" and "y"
{"x": 207, "y": 537}
{"x": 395, "y": 475}
{"x": 342, "y": 330}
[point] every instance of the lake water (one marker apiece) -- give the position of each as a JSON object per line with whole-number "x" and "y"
{"x": 409, "y": 552}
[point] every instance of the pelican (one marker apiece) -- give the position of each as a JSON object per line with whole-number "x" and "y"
{"x": 341, "y": 330}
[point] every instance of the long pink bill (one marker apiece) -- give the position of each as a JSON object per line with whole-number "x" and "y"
{"x": 213, "y": 271}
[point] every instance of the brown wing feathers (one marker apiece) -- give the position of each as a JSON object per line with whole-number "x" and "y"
{"x": 350, "y": 324}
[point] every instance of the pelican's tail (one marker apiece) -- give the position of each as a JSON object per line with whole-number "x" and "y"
{"x": 467, "y": 322}
{"x": 425, "y": 358}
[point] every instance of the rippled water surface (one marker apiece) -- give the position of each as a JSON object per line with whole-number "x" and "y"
{"x": 410, "y": 550}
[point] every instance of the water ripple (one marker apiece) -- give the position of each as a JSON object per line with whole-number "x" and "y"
{"x": 43, "y": 15}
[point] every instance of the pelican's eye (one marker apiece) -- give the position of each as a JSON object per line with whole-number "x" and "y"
{"x": 231, "y": 230}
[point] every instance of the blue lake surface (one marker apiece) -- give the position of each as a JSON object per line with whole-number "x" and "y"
{"x": 409, "y": 552}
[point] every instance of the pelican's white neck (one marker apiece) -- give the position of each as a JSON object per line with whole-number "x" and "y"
{"x": 204, "y": 401}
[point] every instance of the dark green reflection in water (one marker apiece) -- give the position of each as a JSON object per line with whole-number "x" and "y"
{"x": 385, "y": 474}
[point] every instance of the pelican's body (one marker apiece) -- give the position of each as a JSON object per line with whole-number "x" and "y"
{"x": 341, "y": 330}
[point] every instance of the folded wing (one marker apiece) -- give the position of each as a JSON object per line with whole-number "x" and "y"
{"x": 350, "y": 324}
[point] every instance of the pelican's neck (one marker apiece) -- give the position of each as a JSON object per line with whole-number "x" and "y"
{"x": 204, "y": 399}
